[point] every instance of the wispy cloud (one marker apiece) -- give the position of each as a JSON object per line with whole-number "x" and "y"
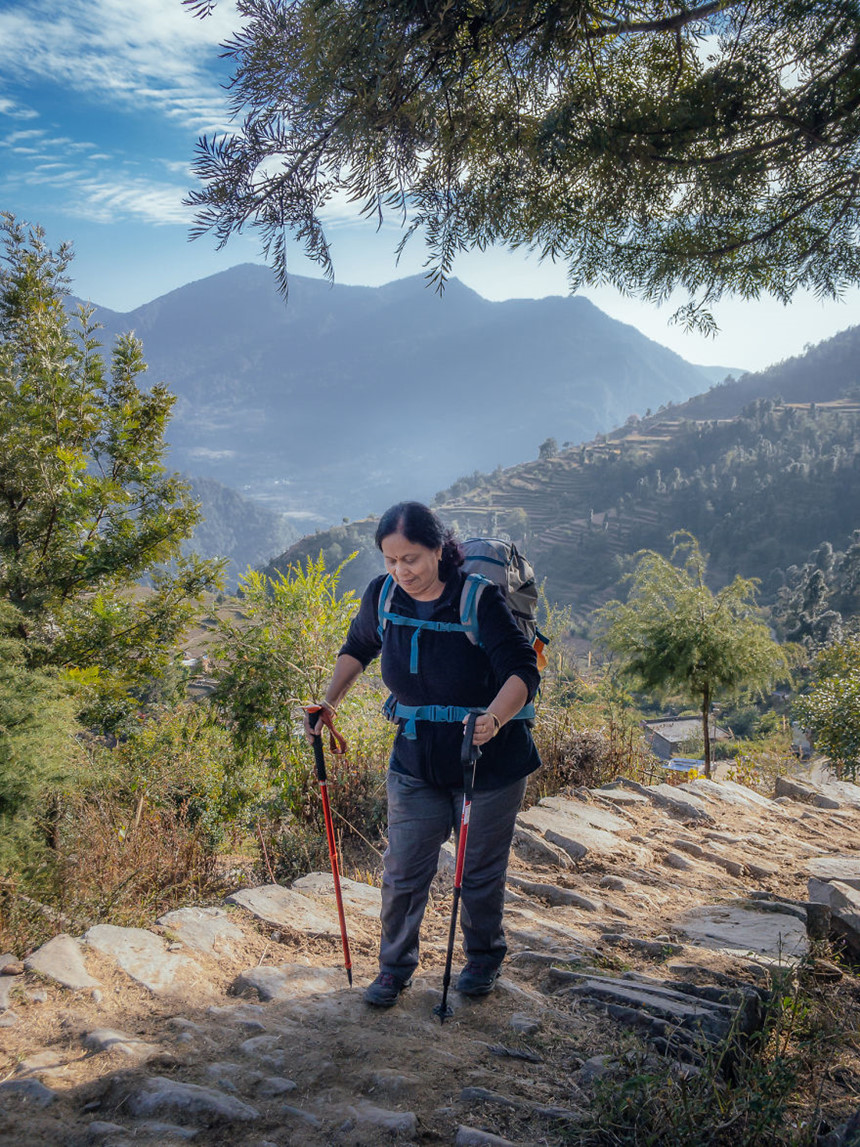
{"x": 143, "y": 200}
{"x": 96, "y": 185}
{"x": 15, "y": 110}
{"x": 153, "y": 53}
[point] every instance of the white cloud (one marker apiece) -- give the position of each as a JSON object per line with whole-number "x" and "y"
{"x": 15, "y": 110}
{"x": 152, "y": 53}
{"x": 143, "y": 200}
{"x": 96, "y": 186}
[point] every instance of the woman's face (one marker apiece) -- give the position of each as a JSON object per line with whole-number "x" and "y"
{"x": 414, "y": 567}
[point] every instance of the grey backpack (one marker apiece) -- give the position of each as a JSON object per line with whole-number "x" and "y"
{"x": 502, "y": 564}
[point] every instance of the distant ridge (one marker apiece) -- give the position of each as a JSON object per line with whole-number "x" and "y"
{"x": 347, "y": 398}
{"x": 760, "y": 481}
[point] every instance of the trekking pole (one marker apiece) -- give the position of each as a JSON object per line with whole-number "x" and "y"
{"x": 468, "y": 759}
{"x": 319, "y": 760}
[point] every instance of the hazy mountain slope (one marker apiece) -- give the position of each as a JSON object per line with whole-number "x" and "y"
{"x": 821, "y": 374}
{"x": 349, "y": 397}
{"x": 760, "y": 490}
{"x": 236, "y": 528}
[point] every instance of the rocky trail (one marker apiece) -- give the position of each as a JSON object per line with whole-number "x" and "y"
{"x": 660, "y": 912}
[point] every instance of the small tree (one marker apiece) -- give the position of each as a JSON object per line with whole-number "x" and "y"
{"x": 87, "y": 509}
{"x": 831, "y": 709}
{"x": 38, "y": 750}
{"x": 280, "y": 653}
{"x": 675, "y": 635}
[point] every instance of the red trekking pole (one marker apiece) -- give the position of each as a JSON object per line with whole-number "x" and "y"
{"x": 468, "y": 759}
{"x": 338, "y": 745}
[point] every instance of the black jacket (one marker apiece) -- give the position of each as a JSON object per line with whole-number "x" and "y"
{"x": 451, "y": 671}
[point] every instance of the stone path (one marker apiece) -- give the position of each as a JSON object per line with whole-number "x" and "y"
{"x": 660, "y": 910}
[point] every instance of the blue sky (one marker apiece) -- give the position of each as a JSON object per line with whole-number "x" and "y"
{"x": 101, "y": 103}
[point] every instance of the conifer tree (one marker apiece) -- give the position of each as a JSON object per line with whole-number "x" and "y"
{"x": 653, "y": 145}
{"x": 87, "y": 509}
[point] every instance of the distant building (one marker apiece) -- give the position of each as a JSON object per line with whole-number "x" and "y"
{"x": 667, "y": 735}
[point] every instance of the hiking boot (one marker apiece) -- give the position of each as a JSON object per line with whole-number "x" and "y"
{"x": 385, "y": 989}
{"x": 478, "y": 978}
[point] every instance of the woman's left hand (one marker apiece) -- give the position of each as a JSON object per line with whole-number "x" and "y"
{"x": 486, "y": 727}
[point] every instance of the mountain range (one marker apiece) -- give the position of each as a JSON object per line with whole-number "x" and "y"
{"x": 344, "y": 399}
{"x": 762, "y": 470}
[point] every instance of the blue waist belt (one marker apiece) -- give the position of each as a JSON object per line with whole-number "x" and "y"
{"x": 449, "y": 714}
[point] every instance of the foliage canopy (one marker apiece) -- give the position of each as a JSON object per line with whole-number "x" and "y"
{"x": 831, "y": 708}
{"x": 652, "y": 145}
{"x": 675, "y": 635}
{"x": 87, "y": 508}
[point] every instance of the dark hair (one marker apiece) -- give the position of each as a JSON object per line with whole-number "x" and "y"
{"x": 420, "y": 525}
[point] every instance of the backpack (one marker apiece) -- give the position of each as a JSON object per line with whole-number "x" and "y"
{"x": 502, "y": 563}
{"x": 487, "y": 560}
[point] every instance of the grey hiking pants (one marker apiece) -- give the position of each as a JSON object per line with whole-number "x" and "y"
{"x": 420, "y": 819}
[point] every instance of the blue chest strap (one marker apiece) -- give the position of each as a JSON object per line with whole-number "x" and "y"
{"x": 445, "y": 714}
{"x": 468, "y": 623}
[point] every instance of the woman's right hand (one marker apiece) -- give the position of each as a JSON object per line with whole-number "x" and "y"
{"x": 312, "y": 724}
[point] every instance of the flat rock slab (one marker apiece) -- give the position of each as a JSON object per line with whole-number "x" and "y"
{"x": 289, "y": 981}
{"x": 47, "y": 1063}
{"x": 844, "y": 902}
{"x": 283, "y": 908}
{"x": 106, "y": 1040}
{"x": 846, "y": 793}
{"x": 531, "y": 847}
{"x": 622, "y": 797}
{"x": 531, "y": 930}
{"x": 362, "y": 898}
{"x": 29, "y": 1091}
{"x": 7, "y": 983}
{"x": 687, "y": 805}
{"x": 144, "y": 957}
{"x": 743, "y": 931}
{"x": 184, "y": 1102}
{"x": 206, "y": 930}
{"x": 725, "y": 791}
{"x": 62, "y": 960}
{"x": 845, "y": 869}
{"x": 369, "y": 1116}
{"x": 589, "y": 814}
{"x": 576, "y": 836}
{"x": 664, "y": 1008}
{"x": 554, "y": 895}
{"x": 805, "y": 792}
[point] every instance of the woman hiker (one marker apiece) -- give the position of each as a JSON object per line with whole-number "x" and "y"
{"x": 433, "y": 668}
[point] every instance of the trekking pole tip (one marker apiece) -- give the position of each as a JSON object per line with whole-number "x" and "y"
{"x": 349, "y": 976}
{"x": 443, "y": 1011}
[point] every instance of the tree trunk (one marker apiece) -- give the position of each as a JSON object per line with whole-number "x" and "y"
{"x": 706, "y": 733}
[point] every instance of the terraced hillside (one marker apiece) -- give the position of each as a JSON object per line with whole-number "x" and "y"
{"x": 759, "y": 491}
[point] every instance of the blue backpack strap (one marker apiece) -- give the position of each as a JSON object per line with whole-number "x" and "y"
{"x": 385, "y": 595}
{"x": 385, "y": 615}
{"x": 473, "y": 587}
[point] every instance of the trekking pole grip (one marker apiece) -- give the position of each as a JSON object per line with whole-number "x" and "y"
{"x": 317, "y": 742}
{"x": 469, "y": 753}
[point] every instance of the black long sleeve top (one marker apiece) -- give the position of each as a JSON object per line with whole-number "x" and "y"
{"x": 451, "y": 671}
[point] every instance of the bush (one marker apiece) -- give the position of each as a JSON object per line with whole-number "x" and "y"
{"x": 292, "y": 827}
{"x": 136, "y": 833}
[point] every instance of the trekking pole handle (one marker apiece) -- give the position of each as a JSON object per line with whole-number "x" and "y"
{"x": 469, "y": 751}
{"x": 317, "y": 742}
